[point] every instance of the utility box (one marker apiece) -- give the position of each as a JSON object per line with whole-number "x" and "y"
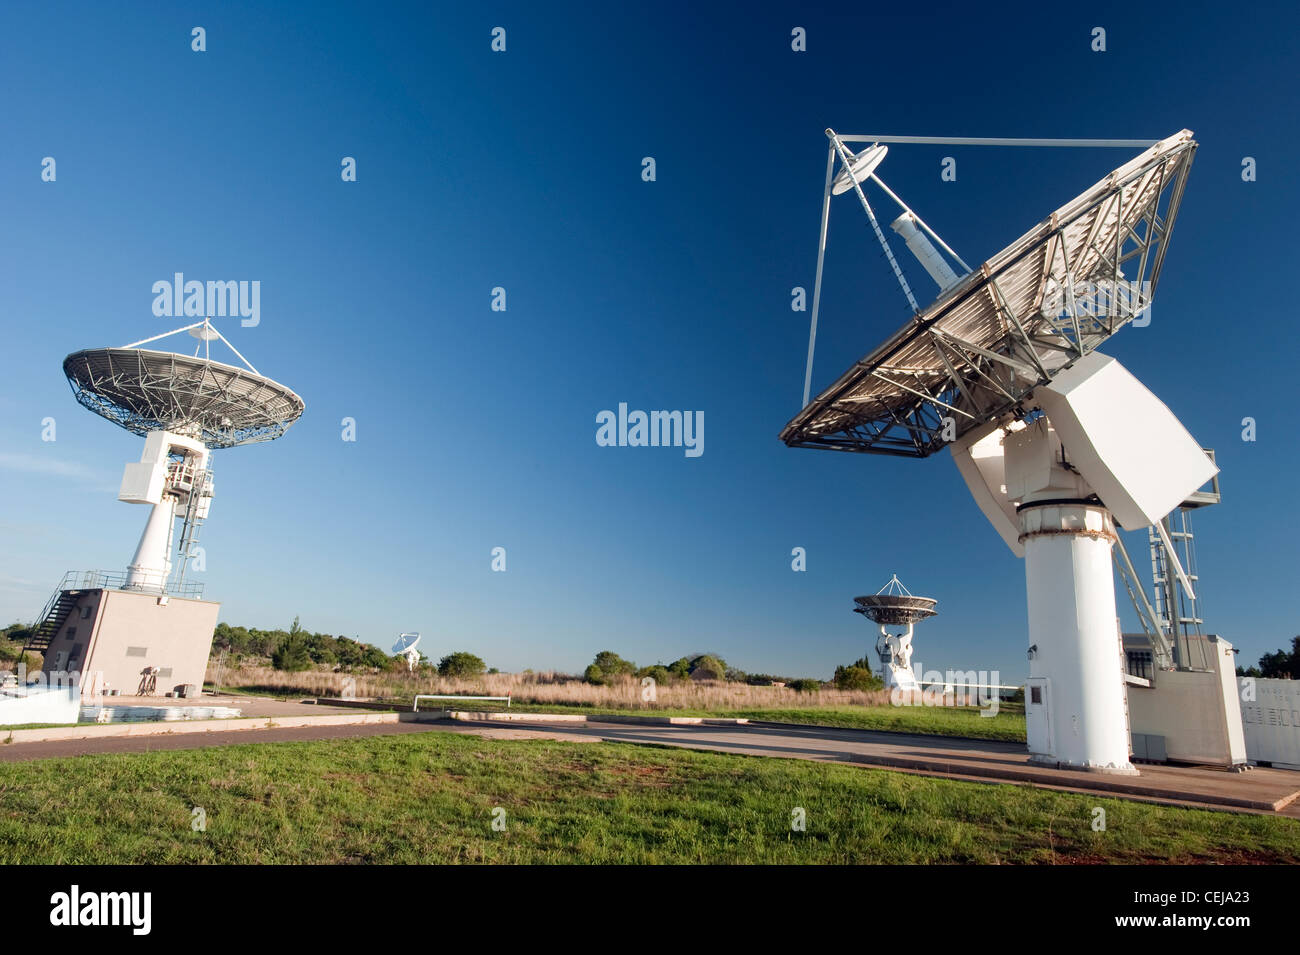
{"x": 1149, "y": 747}
{"x": 1197, "y": 713}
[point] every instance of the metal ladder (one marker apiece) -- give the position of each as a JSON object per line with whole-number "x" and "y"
{"x": 192, "y": 527}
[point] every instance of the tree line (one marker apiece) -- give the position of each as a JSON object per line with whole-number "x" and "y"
{"x": 609, "y": 666}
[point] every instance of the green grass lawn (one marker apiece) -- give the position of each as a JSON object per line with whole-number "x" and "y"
{"x": 1007, "y": 724}
{"x": 34, "y": 726}
{"x": 429, "y": 797}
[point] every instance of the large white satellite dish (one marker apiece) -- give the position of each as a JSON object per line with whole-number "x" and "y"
{"x": 1057, "y": 442}
{"x": 405, "y": 647}
{"x": 184, "y": 406}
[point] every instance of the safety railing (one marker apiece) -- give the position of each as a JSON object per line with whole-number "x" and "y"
{"x": 117, "y": 580}
{"x": 453, "y": 696}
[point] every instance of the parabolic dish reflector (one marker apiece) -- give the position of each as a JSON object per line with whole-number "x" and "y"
{"x": 405, "y": 642}
{"x": 862, "y": 166}
{"x": 144, "y": 391}
{"x": 1046, "y": 300}
{"x": 895, "y": 609}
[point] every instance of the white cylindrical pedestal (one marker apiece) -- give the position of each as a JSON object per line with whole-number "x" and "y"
{"x": 1075, "y": 704}
{"x": 152, "y": 562}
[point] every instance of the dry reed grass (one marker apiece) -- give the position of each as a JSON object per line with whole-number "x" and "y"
{"x": 544, "y": 688}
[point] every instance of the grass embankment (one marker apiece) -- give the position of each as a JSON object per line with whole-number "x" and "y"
{"x": 430, "y": 797}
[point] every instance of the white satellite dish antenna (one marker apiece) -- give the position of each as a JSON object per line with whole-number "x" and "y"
{"x": 893, "y": 605}
{"x": 405, "y": 647}
{"x": 861, "y": 166}
{"x": 184, "y": 407}
{"x": 1057, "y": 442}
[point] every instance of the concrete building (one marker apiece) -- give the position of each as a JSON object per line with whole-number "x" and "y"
{"x": 137, "y": 643}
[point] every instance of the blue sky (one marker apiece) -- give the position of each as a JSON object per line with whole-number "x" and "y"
{"x": 476, "y": 429}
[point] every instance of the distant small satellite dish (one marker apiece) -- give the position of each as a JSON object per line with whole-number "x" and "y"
{"x": 204, "y": 333}
{"x": 860, "y": 167}
{"x": 405, "y": 647}
{"x": 405, "y": 643}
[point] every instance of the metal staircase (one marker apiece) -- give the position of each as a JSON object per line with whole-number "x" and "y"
{"x": 53, "y": 616}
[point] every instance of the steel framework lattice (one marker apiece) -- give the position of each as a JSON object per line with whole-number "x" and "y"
{"x": 144, "y": 391}
{"x": 1009, "y": 326}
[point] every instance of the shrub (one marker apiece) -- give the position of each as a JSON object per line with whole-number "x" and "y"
{"x": 805, "y": 685}
{"x": 594, "y": 675}
{"x": 855, "y": 677}
{"x": 659, "y": 673}
{"x": 461, "y": 665}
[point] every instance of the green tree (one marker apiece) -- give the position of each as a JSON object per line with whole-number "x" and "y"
{"x": 461, "y": 665}
{"x": 611, "y": 664}
{"x": 594, "y": 675}
{"x": 291, "y": 654}
{"x": 659, "y": 673}
{"x": 1282, "y": 665}
{"x": 680, "y": 668}
{"x": 708, "y": 667}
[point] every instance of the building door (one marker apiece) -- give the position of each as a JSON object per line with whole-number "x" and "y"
{"x": 1038, "y": 719}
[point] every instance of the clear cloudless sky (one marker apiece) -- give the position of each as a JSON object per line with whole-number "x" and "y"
{"x": 476, "y": 429}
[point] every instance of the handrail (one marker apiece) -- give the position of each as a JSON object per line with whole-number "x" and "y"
{"x": 54, "y": 598}
{"x": 452, "y": 696}
{"x": 113, "y": 580}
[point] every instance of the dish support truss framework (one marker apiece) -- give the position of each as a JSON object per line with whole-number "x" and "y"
{"x": 985, "y": 344}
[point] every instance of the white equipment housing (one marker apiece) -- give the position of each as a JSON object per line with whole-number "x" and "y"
{"x": 1136, "y": 455}
{"x": 1191, "y": 715}
{"x": 1106, "y": 447}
